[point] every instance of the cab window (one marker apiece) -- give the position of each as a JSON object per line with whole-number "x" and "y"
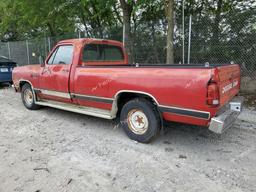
{"x": 102, "y": 52}
{"x": 62, "y": 55}
{"x": 112, "y": 53}
{"x": 91, "y": 53}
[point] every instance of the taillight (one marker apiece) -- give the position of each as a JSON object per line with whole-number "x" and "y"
{"x": 213, "y": 94}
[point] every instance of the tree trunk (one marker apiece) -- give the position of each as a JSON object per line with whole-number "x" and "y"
{"x": 216, "y": 33}
{"x": 169, "y": 13}
{"x": 127, "y": 13}
{"x": 52, "y": 33}
{"x": 216, "y": 29}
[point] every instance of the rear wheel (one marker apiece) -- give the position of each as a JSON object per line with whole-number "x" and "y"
{"x": 140, "y": 120}
{"x": 28, "y": 97}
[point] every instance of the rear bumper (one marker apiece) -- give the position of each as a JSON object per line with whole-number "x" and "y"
{"x": 227, "y": 116}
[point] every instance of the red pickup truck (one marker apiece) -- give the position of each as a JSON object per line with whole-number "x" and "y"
{"x": 93, "y": 77}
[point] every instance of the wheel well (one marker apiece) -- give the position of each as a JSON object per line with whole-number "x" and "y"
{"x": 123, "y": 98}
{"x": 22, "y": 83}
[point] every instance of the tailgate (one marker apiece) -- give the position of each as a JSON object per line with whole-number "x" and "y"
{"x": 229, "y": 82}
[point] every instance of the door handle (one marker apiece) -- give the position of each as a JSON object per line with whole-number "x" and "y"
{"x": 34, "y": 75}
{"x": 46, "y": 70}
{"x": 65, "y": 70}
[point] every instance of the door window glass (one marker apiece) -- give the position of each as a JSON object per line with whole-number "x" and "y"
{"x": 50, "y": 61}
{"x": 62, "y": 55}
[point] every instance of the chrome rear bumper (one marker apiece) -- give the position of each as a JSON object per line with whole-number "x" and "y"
{"x": 227, "y": 116}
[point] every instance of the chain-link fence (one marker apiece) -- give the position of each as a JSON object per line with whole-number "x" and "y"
{"x": 224, "y": 41}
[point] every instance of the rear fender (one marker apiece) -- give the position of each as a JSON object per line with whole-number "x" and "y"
{"x": 116, "y": 107}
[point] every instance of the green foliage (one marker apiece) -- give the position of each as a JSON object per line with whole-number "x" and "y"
{"x": 222, "y": 30}
{"x": 26, "y": 19}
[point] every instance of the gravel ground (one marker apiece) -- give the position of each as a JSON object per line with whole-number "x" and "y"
{"x": 53, "y": 150}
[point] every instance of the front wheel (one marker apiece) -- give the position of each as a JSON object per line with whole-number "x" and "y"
{"x": 140, "y": 120}
{"x": 28, "y": 98}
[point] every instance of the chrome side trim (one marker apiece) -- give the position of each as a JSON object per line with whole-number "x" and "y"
{"x": 175, "y": 110}
{"x": 186, "y": 112}
{"x": 53, "y": 93}
{"x": 78, "y": 109}
{"x": 133, "y": 91}
{"x": 74, "y": 95}
{"x": 163, "y": 108}
{"x": 92, "y": 98}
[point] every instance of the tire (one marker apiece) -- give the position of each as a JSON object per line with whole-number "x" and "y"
{"x": 28, "y": 98}
{"x": 140, "y": 120}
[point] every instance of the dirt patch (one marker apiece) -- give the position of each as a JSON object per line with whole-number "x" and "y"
{"x": 250, "y": 100}
{"x": 248, "y": 85}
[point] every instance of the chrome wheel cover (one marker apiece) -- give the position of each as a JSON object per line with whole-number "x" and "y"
{"x": 28, "y": 97}
{"x": 137, "y": 121}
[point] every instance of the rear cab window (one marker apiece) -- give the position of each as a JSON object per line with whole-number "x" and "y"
{"x": 100, "y": 54}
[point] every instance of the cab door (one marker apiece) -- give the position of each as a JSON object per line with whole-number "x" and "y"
{"x": 54, "y": 77}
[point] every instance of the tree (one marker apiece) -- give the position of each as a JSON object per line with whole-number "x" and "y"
{"x": 28, "y": 19}
{"x": 94, "y": 17}
{"x": 169, "y": 12}
{"x": 222, "y": 30}
{"x": 127, "y": 8}
{"x": 50, "y": 17}
{"x": 9, "y": 17}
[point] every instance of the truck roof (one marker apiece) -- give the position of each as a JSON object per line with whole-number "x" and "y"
{"x": 90, "y": 40}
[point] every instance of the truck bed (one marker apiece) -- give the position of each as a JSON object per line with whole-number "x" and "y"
{"x": 145, "y": 65}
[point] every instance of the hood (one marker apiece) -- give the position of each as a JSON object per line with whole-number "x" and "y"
{"x": 6, "y": 62}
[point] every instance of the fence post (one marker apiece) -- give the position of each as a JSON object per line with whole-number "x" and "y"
{"x": 9, "y": 49}
{"x": 28, "y": 52}
{"x": 49, "y": 44}
{"x": 45, "y": 46}
{"x": 183, "y": 33}
{"x": 189, "y": 38}
{"x": 123, "y": 34}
